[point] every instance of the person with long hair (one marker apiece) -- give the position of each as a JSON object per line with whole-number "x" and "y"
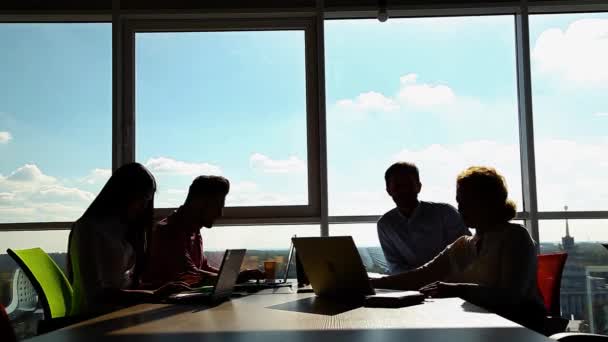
{"x": 496, "y": 268}
{"x": 107, "y": 244}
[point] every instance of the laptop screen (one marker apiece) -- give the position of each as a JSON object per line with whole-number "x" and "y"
{"x": 229, "y": 272}
{"x": 289, "y": 260}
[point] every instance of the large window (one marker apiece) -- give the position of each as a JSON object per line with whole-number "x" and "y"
{"x": 55, "y": 119}
{"x": 226, "y": 103}
{"x": 438, "y": 92}
{"x": 241, "y": 97}
{"x": 570, "y": 81}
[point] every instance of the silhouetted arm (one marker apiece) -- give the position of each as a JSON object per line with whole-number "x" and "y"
{"x": 120, "y": 296}
{"x": 208, "y": 268}
{"x": 435, "y": 270}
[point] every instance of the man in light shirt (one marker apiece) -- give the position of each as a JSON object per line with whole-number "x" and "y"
{"x": 414, "y": 231}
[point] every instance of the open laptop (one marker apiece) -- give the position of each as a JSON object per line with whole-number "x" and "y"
{"x": 334, "y": 267}
{"x": 226, "y": 279}
{"x": 256, "y": 285}
{"x": 283, "y": 280}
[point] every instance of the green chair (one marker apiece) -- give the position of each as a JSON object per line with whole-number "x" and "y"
{"x": 54, "y": 290}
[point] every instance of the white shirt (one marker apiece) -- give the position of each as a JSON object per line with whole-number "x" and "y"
{"x": 411, "y": 242}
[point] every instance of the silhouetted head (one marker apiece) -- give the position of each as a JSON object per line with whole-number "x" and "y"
{"x": 206, "y": 198}
{"x": 482, "y": 197}
{"x": 403, "y": 184}
{"x": 128, "y": 194}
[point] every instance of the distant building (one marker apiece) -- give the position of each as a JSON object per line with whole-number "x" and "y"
{"x": 567, "y": 241}
{"x": 578, "y": 289}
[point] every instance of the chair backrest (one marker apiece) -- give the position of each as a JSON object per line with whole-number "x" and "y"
{"x": 53, "y": 288}
{"x": 24, "y": 296}
{"x": 7, "y": 333}
{"x": 549, "y": 278}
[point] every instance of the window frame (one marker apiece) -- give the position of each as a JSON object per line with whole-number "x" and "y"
{"x": 280, "y": 214}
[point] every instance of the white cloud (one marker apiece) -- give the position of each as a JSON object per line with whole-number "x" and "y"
{"x": 260, "y": 198}
{"x": 246, "y": 193}
{"x": 577, "y": 55}
{"x": 426, "y": 96}
{"x": 573, "y": 173}
{"x": 30, "y": 173}
{"x": 243, "y": 187}
{"x": 170, "y": 198}
{"x": 6, "y": 197}
{"x": 440, "y": 164}
{"x": 164, "y": 165}
{"x": 18, "y": 214}
{"x": 360, "y": 202}
{"x": 368, "y": 102}
{"x": 26, "y": 179}
{"x": 5, "y": 137}
{"x": 412, "y": 96}
{"x": 29, "y": 195}
{"x": 62, "y": 194}
{"x": 265, "y": 164}
{"x": 52, "y": 211}
{"x": 97, "y": 176}
{"x": 408, "y": 79}
{"x": 601, "y": 114}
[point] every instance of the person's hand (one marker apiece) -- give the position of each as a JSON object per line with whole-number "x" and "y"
{"x": 380, "y": 283}
{"x": 440, "y": 289}
{"x": 171, "y": 288}
{"x": 247, "y": 275}
{"x": 207, "y": 279}
{"x": 192, "y": 279}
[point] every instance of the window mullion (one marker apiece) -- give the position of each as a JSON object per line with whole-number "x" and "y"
{"x": 526, "y": 132}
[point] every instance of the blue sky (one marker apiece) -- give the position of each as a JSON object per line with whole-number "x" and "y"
{"x": 56, "y": 94}
{"x": 437, "y": 91}
{"x": 247, "y": 98}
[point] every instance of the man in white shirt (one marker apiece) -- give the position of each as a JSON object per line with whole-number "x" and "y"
{"x": 414, "y": 231}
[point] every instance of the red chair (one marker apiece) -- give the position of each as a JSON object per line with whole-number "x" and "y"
{"x": 6, "y": 329}
{"x": 549, "y": 278}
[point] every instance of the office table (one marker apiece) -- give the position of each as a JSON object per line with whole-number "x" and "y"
{"x": 267, "y": 317}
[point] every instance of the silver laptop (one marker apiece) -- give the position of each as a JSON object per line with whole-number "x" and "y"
{"x": 226, "y": 279}
{"x": 333, "y": 266}
{"x": 335, "y": 269}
